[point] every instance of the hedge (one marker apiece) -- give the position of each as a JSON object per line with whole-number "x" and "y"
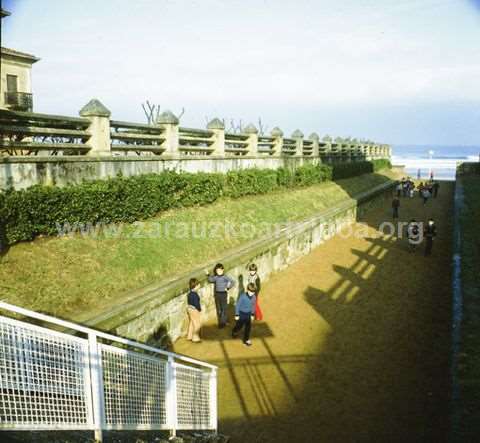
{"x": 27, "y": 213}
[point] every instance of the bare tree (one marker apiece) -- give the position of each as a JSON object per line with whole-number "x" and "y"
{"x": 151, "y": 113}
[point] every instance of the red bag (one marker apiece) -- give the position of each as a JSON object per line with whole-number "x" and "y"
{"x": 258, "y": 311}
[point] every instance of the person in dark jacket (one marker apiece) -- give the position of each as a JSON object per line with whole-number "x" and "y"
{"x": 430, "y": 232}
{"x": 436, "y": 185}
{"x": 194, "y": 310}
{"x": 245, "y": 313}
{"x": 223, "y": 283}
{"x": 395, "y": 206}
{"x": 254, "y": 278}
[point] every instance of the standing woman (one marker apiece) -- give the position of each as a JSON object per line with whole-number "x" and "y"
{"x": 254, "y": 278}
{"x": 223, "y": 283}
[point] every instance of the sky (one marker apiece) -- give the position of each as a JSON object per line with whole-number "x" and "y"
{"x": 393, "y": 71}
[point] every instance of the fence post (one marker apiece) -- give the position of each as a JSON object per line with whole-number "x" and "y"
{"x": 169, "y": 122}
{"x": 277, "y": 135}
{"x": 171, "y": 397}
{"x": 298, "y": 137}
{"x": 252, "y": 133}
{"x": 218, "y": 128}
{"x": 99, "y": 128}
{"x": 316, "y": 147}
{"x": 96, "y": 377}
{"x": 327, "y": 140}
{"x": 213, "y": 400}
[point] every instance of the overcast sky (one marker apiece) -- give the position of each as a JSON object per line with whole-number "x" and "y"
{"x": 395, "y": 71}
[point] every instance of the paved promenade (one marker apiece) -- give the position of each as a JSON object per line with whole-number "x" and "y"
{"x": 354, "y": 346}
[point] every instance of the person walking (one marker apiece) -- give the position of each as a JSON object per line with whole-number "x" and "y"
{"x": 194, "y": 310}
{"x": 245, "y": 313}
{"x": 395, "y": 206}
{"x": 426, "y": 195}
{"x": 223, "y": 283}
{"x": 436, "y": 186}
{"x": 430, "y": 232}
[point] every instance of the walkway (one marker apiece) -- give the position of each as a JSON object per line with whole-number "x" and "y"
{"x": 354, "y": 346}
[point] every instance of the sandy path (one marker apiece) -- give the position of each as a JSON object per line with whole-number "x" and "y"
{"x": 354, "y": 346}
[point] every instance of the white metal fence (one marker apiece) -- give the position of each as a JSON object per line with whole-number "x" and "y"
{"x": 52, "y": 380}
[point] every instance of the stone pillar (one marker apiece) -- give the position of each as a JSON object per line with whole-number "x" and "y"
{"x": 218, "y": 128}
{"x": 252, "y": 133}
{"x": 99, "y": 128}
{"x": 316, "y": 148}
{"x": 298, "y": 137}
{"x": 327, "y": 141}
{"x": 277, "y": 135}
{"x": 169, "y": 122}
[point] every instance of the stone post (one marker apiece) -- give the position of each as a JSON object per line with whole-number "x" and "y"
{"x": 252, "y": 133}
{"x": 277, "y": 135}
{"x": 316, "y": 147}
{"x": 218, "y": 128}
{"x": 327, "y": 140}
{"x": 99, "y": 128}
{"x": 170, "y": 123}
{"x": 298, "y": 137}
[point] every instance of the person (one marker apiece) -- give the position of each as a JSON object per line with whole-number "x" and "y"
{"x": 420, "y": 189}
{"x": 395, "y": 206}
{"x": 399, "y": 189}
{"x": 245, "y": 313}
{"x": 194, "y": 311}
{"x": 425, "y": 194}
{"x": 436, "y": 185}
{"x": 430, "y": 232}
{"x": 431, "y": 175}
{"x": 419, "y": 174}
{"x": 254, "y": 278}
{"x": 223, "y": 283}
{"x": 413, "y": 235}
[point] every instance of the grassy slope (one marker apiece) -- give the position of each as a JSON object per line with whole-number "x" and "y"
{"x": 65, "y": 275}
{"x": 469, "y": 368}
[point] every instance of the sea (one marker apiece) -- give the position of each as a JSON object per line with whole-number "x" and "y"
{"x": 439, "y": 160}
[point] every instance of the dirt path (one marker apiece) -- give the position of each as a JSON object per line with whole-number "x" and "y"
{"x": 354, "y": 346}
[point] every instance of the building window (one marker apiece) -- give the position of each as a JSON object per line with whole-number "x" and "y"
{"x": 12, "y": 83}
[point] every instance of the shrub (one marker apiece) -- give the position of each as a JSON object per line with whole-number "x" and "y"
{"x": 26, "y": 213}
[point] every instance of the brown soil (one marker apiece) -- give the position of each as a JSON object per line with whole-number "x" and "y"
{"x": 354, "y": 346}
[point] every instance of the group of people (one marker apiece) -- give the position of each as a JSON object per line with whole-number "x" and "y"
{"x": 415, "y": 230}
{"x": 247, "y": 308}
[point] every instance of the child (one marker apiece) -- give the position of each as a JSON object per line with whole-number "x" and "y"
{"x": 254, "y": 278}
{"x": 223, "y": 283}
{"x": 194, "y": 309}
{"x": 245, "y": 313}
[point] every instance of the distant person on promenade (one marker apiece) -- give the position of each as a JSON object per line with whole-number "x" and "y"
{"x": 194, "y": 310}
{"x": 413, "y": 235}
{"x": 399, "y": 189}
{"x": 223, "y": 283}
{"x": 430, "y": 232}
{"x": 395, "y": 206}
{"x": 431, "y": 175}
{"x": 419, "y": 174}
{"x": 420, "y": 189}
{"x": 436, "y": 186}
{"x": 245, "y": 313}
{"x": 425, "y": 194}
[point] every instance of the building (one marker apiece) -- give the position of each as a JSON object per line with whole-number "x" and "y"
{"x": 16, "y": 77}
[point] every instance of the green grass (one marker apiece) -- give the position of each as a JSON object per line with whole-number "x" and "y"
{"x": 69, "y": 275}
{"x": 469, "y": 367}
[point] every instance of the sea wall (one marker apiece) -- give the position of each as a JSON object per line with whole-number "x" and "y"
{"x": 159, "y": 310}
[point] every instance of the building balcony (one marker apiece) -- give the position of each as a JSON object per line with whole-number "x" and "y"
{"x": 19, "y": 101}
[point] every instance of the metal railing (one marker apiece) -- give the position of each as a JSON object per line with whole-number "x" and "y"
{"x": 19, "y": 101}
{"x": 51, "y": 380}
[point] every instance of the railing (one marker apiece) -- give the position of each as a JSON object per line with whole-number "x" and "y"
{"x": 195, "y": 141}
{"x": 19, "y": 101}
{"x": 25, "y": 133}
{"x": 95, "y": 134}
{"x": 136, "y": 138}
{"x": 236, "y": 144}
{"x": 85, "y": 379}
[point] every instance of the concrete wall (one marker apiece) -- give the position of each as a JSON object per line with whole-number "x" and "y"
{"x": 23, "y": 172}
{"x": 162, "y": 307}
